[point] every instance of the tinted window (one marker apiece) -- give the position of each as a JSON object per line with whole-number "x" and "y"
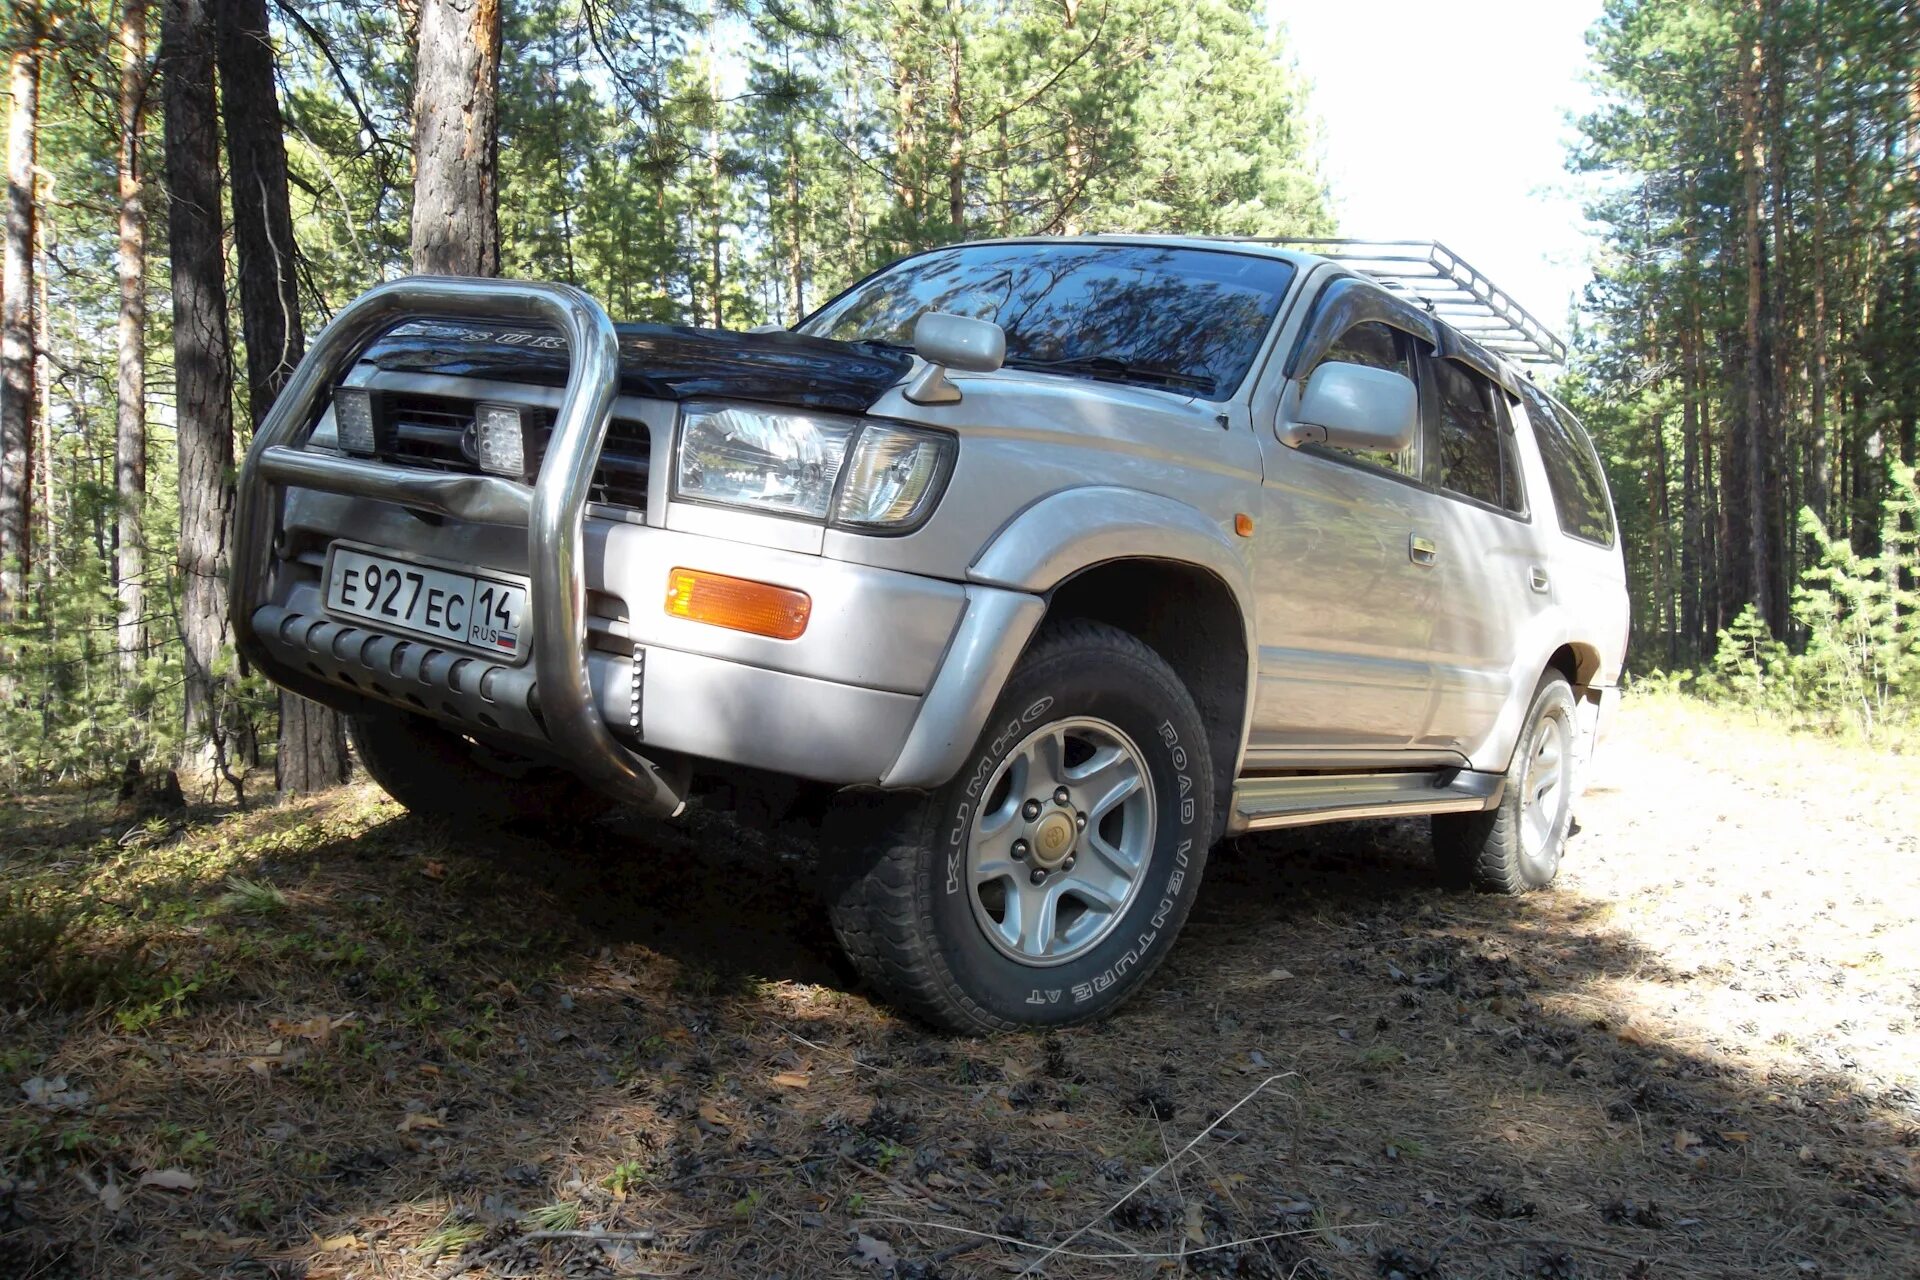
{"x": 1467, "y": 454}
{"x": 1573, "y": 470}
{"x": 1189, "y": 320}
{"x": 1377, "y": 346}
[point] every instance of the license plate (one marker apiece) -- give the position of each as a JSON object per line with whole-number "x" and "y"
{"x": 470, "y": 609}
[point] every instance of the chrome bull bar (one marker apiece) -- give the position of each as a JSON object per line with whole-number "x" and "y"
{"x": 551, "y": 511}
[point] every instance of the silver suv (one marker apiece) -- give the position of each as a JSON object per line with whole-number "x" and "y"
{"x": 1030, "y": 567}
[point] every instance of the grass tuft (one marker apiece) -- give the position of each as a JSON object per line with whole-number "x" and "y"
{"x": 253, "y": 897}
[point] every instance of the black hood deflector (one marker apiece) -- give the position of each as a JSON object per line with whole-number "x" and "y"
{"x": 659, "y": 361}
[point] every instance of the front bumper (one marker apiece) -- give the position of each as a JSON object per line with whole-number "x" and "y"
{"x": 889, "y": 684}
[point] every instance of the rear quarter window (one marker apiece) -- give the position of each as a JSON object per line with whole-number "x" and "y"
{"x": 1574, "y": 475}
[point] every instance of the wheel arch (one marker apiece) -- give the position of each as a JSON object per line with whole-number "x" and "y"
{"x": 1578, "y": 662}
{"x": 1158, "y": 569}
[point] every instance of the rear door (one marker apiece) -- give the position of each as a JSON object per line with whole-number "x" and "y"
{"x": 1488, "y": 555}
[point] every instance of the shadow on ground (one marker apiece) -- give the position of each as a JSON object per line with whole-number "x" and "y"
{"x": 633, "y": 1051}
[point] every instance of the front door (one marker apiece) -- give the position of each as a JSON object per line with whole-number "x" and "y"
{"x": 1344, "y": 603}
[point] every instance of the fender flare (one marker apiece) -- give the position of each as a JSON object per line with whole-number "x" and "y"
{"x": 1072, "y": 530}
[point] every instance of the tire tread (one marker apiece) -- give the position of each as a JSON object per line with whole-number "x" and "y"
{"x": 876, "y": 859}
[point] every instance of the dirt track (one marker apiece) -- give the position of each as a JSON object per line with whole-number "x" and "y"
{"x": 1698, "y": 1056}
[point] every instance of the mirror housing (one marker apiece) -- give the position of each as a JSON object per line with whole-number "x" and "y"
{"x": 946, "y": 341}
{"x": 1352, "y": 406}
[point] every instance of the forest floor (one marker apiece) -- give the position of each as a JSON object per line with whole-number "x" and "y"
{"x": 329, "y": 1040}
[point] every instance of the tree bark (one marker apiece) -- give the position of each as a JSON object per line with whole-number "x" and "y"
{"x": 130, "y": 423}
{"x": 16, "y": 330}
{"x": 956, "y": 128}
{"x": 456, "y": 139}
{"x": 1819, "y": 481}
{"x": 313, "y": 740}
{"x": 201, "y": 350}
{"x": 1754, "y": 486}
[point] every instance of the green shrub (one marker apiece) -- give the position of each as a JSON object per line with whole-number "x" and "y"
{"x": 50, "y": 956}
{"x": 1859, "y": 667}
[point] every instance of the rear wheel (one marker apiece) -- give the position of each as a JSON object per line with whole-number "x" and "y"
{"x": 1517, "y": 845}
{"x": 436, "y": 772}
{"x": 1043, "y": 884}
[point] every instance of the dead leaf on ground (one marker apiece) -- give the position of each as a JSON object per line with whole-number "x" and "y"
{"x": 335, "y": 1244}
{"x": 874, "y": 1253}
{"x": 1196, "y": 1221}
{"x": 420, "y": 1120}
{"x": 54, "y": 1095}
{"x": 1684, "y": 1141}
{"x": 319, "y": 1028}
{"x": 169, "y": 1180}
{"x": 793, "y": 1080}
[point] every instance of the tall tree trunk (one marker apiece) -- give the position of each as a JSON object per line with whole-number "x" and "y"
{"x": 456, "y": 139}
{"x": 1819, "y": 481}
{"x": 956, "y": 128}
{"x": 130, "y": 423}
{"x": 16, "y": 329}
{"x": 47, "y": 541}
{"x": 1754, "y": 455}
{"x": 313, "y": 740}
{"x": 201, "y": 351}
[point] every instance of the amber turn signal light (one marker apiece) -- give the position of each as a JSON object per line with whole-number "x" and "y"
{"x": 738, "y": 604}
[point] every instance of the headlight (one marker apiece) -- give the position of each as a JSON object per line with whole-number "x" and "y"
{"x": 893, "y": 477}
{"x": 780, "y": 462}
{"x": 813, "y": 465}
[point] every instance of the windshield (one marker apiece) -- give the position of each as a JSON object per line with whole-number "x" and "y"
{"x": 1188, "y": 320}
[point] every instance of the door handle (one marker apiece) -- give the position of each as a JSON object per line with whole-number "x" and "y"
{"x": 1537, "y": 578}
{"x": 1422, "y": 551}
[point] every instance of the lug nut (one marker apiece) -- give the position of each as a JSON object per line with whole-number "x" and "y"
{"x": 1030, "y": 810}
{"x": 1038, "y": 876}
{"x": 1066, "y": 863}
{"x": 1020, "y": 851}
{"x": 1060, "y": 796}
{"x": 1080, "y": 821}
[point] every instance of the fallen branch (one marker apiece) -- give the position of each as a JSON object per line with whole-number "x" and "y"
{"x": 1162, "y": 1168}
{"x": 1135, "y": 1255}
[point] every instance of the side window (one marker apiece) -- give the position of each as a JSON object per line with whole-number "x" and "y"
{"x": 1377, "y": 346}
{"x": 1578, "y": 484}
{"x": 1469, "y": 453}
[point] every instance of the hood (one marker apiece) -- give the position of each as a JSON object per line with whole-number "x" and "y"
{"x": 659, "y": 361}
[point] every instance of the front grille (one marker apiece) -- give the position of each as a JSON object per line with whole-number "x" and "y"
{"x": 435, "y": 433}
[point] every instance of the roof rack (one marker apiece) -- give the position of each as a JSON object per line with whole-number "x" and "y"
{"x": 1446, "y": 284}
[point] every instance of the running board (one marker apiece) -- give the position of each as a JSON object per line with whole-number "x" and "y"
{"x": 1261, "y": 804}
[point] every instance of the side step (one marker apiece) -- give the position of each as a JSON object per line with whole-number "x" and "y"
{"x": 1261, "y": 804}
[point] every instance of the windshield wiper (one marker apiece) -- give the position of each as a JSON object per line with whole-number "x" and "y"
{"x": 1116, "y": 368}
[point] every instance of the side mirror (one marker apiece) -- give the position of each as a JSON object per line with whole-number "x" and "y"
{"x": 1351, "y": 406}
{"x": 945, "y": 341}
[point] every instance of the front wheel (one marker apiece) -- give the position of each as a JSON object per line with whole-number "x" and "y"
{"x": 1516, "y": 846}
{"x": 1044, "y": 883}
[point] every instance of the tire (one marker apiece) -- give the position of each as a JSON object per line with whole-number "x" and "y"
{"x": 956, "y": 930}
{"x": 1516, "y": 846}
{"x": 437, "y": 773}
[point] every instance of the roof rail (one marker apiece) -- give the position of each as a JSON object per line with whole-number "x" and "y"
{"x": 1446, "y": 284}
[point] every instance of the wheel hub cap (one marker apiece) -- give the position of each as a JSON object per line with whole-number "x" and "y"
{"x": 1052, "y": 839}
{"x": 1059, "y": 846}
